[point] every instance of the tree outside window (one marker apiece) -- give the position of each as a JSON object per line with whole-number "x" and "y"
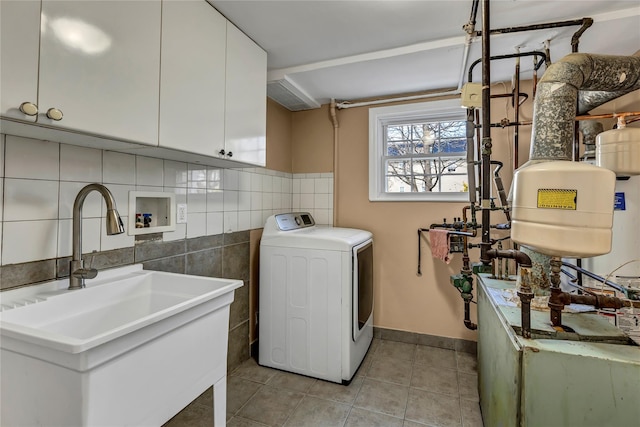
{"x": 425, "y": 157}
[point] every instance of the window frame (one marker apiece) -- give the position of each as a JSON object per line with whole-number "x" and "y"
{"x": 441, "y": 110}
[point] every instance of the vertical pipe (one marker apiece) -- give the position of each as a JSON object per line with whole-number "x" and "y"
{"x": 555, "y": 300}
{"x": 334, "y": 121}
{"x": 486, "y": 133}
{"x": 516, "y": 107}
{"x": 535, "y": 76}
{"x": 478, "y": 136}
{"x": 471, "y": 165}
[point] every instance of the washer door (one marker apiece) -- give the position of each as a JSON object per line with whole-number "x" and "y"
{"x": 362, "y": 285}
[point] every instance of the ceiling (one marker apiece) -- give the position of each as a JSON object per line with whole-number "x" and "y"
{"x": 351, "y": 50}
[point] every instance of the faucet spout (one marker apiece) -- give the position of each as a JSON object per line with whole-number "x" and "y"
{"x": 114, "y": 226}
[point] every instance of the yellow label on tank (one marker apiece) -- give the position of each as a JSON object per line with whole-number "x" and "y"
{"x": 557, "y": 198}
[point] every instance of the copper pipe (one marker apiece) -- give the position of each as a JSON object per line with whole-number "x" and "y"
{"x": 607, "y": 116}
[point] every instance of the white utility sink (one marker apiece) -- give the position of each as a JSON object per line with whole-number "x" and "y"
{"x": 132, "y": 348}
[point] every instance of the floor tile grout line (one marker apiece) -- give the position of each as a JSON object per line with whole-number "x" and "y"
{"x": 293, "y": 411}
{"x": 376, "y": 350}
{"x": 249, "y": 399}
{"x": 249, "y": 419}
{"x": 347, "y": 417}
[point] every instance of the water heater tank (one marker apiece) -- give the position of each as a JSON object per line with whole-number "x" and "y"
{"x": 619, "y": 150}
{"x": 563, "y": 208}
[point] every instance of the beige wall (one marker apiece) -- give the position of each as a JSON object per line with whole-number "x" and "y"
{"x": 312, "y": 141}
{"x": 278, "y": 137}
{"x": 403, "y": 301}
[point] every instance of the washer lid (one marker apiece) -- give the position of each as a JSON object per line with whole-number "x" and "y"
{"x": 313, "y": 237}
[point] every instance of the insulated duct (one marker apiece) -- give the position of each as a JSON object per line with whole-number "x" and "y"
{"x": 588, "y": 100}
{"x": 554, "y": 109}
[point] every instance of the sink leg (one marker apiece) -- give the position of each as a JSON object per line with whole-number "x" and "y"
{"x": 220, "y": 402}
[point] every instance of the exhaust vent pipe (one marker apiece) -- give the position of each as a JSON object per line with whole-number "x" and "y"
{"x": 556, "y": 99}
{"x": 286, "y": 93}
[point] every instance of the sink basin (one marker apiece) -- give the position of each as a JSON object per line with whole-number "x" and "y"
{"x": 132, "y": 348}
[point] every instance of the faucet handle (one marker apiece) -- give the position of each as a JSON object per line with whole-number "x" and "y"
{"x": 91, "y": 257}
{"x": 86, "y": 272}
{"x": 89, "y": 272}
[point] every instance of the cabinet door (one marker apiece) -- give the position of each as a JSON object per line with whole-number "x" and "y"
{"x": 246, "y": 99}
{"x": 192, "y": 77}
{"x": 19, "y": 42}
{"x": 100, "y": 66}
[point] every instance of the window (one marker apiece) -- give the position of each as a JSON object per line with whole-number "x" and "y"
{"x": 417, "y": 152}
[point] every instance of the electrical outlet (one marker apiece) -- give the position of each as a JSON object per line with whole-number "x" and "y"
{"x": 181, "y": 217}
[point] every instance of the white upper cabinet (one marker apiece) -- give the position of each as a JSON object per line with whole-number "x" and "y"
{"x": 99, "y": 68}
{"x": 87, "y": 66}
{"x": 246, "y": 99}
{"x": 173, "y": 75}
{"x": 192, "y": 74}
{"x": 19, "y": 44}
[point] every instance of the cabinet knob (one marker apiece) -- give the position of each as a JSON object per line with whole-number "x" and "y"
{"x": 29, "y": 108}
{"x": 222, "y": 152}
{"x": 229, "y": 154}
{"x": 54, "y": 114}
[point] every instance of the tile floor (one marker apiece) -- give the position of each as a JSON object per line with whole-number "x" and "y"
{"x": 398, "y": 384}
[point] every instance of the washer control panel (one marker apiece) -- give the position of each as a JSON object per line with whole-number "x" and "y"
{"x": 294, "y": 221}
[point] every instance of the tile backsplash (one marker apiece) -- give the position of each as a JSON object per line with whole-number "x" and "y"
{"x": 40, "y": 179}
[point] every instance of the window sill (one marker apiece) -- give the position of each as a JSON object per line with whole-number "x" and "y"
{"x": 420, "y": 197}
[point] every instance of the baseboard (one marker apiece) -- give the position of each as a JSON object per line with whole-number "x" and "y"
{"x": 456, "y": 344}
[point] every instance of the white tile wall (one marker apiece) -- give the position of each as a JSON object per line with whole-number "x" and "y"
{"x": 313, "y": 193}
{"x": 32, "y": 159}
{"x": 24, "y": 241}
{"x": 118, "y": 168}
{"x": 175, "y": 174}
{"x": 80, "y": 164}
{"x": 149, "y": 172}
{"x": 196, "y": 224}
{"x": 39, "y": 181}
{"x": 27, "y": 199}
{"x": 215, "y": 223}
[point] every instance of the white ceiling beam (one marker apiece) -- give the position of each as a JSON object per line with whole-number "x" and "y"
{"x": 371, "y": 56}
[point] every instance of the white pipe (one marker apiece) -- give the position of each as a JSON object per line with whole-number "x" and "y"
{"x": 334, "y": 121}
{"x": 347, "y": 104}
{"x": 463, "y": 71}
{"x": 465, "y": 61}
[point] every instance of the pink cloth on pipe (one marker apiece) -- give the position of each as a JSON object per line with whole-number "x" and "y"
{"x": 440, "y": 244}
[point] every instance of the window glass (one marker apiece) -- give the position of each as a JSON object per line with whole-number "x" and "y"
{"x": 418, "y": 152}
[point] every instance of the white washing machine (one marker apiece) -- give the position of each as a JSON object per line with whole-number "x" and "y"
{"x": 316, "y": 297}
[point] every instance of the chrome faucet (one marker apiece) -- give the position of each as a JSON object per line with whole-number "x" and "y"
{"x": 114, "y": 226}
